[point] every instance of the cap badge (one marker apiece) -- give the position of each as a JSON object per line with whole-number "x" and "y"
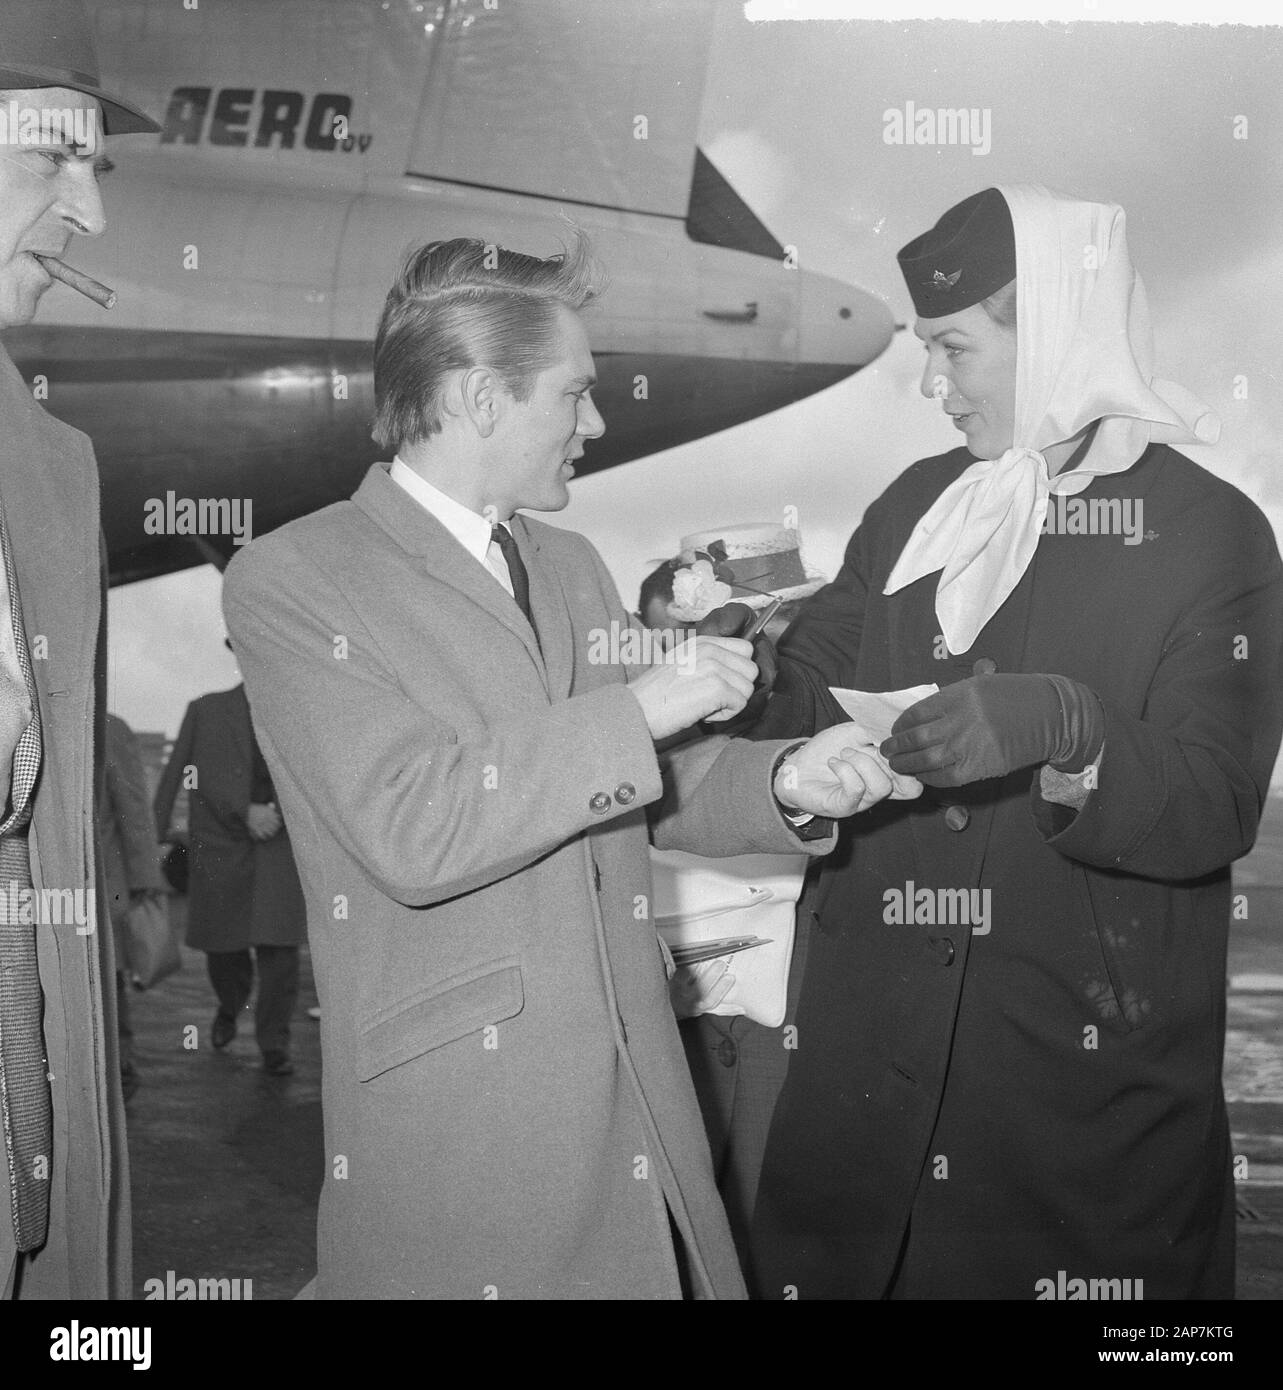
{"x": 941, "y": 281}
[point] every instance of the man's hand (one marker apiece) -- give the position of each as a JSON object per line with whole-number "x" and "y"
{"x": 701, "y": 678}
{"x": 836, "y": 775}
{"x": 988, "y": 726}
{"x": 263, "y": 820}
{"x": 699, "y": 989}
{"x": 15, "y": 715}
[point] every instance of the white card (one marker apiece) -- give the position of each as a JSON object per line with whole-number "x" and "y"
{"x": 875, "y": 713}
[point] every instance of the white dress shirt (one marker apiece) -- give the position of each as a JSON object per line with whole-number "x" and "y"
{"x": 469, "y": 528}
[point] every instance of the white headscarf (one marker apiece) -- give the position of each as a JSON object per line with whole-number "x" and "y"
{"x": 1084, "y": 352}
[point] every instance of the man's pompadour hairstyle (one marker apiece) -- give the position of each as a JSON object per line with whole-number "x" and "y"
{"x": 468, "y": 303}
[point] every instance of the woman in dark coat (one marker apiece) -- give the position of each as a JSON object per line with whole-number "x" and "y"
{"x": 1014, "y": 1092}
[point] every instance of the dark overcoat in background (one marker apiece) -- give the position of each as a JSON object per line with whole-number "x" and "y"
{"x": 127, "y": 826}
{"x": 508, "y": 1111}
{"x": 1046, "y": 1096}
{"x": 241, "y": 892}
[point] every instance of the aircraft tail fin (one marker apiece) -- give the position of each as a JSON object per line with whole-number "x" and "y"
{"x": 582, "y": 103}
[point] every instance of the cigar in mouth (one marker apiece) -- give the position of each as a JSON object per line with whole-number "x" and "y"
{"x": 78, "y": 280}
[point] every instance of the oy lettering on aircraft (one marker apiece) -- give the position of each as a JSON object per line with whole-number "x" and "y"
{"x": 267, "y": 119}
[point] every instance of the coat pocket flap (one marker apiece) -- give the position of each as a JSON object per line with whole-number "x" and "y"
{"x": 450, "y": 1010}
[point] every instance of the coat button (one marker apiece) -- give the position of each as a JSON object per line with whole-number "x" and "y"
{"x": 625, "y": 792}
{"x": 727, "y": 1052}
{"x": 986, "y": 666}
{"x": 957, "y": 817}
{"x": 599, "y": 803}
{"x": 943, "y": 947}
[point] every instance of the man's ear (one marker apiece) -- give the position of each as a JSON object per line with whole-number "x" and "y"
{"x": 480, "y": 398}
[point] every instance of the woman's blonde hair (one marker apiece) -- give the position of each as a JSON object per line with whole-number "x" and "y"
{"x": 1001, "y": 305}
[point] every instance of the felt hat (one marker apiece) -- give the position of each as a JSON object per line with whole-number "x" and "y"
{"x": 50, "y": 43}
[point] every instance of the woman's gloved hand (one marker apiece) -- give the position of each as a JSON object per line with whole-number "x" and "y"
{"x": 729, "y": 621}
{"x": 988, "y": 726}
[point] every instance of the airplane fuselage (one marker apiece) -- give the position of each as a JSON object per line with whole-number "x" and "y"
{"x": 304, "y": 149}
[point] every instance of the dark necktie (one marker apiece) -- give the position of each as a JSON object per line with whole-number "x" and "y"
{"x": 25, "y": 1106}
{"x": 502, "y": 537}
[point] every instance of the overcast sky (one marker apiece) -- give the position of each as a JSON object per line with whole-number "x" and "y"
{"x": 1142, "y": 115}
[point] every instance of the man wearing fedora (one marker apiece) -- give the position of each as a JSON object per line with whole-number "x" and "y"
{"x": 65, "y": 1180}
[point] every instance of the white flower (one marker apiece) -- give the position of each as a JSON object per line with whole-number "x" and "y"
{"x": 696, "y": 592}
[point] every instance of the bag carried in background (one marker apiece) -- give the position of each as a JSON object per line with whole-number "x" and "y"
{"x": 152, "y": 950}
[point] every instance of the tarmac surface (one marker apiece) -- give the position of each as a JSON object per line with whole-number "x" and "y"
{"x": 1253, "y": 1072}
{"x": 228, "y": 1162}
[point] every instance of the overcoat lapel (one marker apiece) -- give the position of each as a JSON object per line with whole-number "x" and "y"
{"x": 420, "y": 534}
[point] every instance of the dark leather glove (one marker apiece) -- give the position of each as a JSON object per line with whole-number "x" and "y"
{"x": 729, "y": 621}
{"x": 988, "y": 726}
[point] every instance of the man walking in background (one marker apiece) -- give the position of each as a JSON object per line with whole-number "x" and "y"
{"x": 243, "y": 889}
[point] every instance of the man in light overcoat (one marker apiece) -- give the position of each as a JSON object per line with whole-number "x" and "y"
{"x": 468, "y": 774}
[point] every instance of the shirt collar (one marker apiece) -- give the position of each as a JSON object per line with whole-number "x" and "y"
{"x": 469, "y": 528}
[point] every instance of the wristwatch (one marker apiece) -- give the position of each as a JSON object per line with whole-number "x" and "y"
{"x": 806, "y": 824}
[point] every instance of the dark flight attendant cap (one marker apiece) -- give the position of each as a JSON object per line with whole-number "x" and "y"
{"x": 968, "y": 255}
